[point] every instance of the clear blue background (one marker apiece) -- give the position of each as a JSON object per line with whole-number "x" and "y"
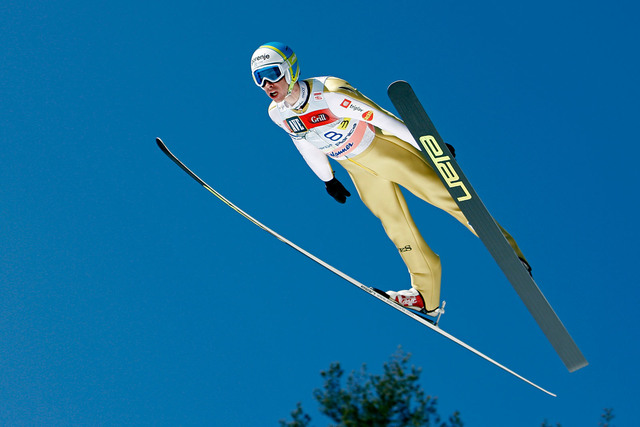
{"x": 129, "y": 295}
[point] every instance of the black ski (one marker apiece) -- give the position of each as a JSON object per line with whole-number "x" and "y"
{"x": 440, "y": 158}
{"x": 378, "y": 294}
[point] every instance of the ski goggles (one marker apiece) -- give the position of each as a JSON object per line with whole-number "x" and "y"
{"x": 272, "y": 73}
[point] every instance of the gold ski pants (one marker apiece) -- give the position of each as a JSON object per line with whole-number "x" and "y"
{"x": 377, "y": 174}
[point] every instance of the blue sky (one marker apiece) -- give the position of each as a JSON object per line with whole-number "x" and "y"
{"x": 129, "y": 295}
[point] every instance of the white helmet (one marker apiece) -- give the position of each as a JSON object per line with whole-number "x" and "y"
{"x": 272, "y": 61}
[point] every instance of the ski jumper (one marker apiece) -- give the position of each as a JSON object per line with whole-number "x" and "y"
{"x": 332, "y": 119}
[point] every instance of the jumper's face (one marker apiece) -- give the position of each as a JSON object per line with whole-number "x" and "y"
{"x": 277, "y": 91}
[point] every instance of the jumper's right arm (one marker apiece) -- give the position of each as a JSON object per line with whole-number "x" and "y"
{"x": 315, "y": 158}
{"x": 318, "y": 162}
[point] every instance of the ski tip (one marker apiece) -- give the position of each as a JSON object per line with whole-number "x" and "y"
{"x": 400, "y": 90}
{"x": 161, "y": 144}
{"x": 398, "y": 83}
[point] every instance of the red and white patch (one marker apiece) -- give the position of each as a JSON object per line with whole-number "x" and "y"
{"x": 368, "y": 115}
{"x": 413, "y": 301}
{"x": 318, "y": 118}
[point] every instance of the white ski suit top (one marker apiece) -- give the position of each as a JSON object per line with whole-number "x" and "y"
{"x": 333, "y": 119}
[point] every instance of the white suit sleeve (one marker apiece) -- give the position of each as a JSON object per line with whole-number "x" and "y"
{"x": 315, "y": 158}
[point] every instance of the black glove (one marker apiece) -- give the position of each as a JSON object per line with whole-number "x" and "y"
{"x": 337, "y": 190}
{"x": 450, "y": 147}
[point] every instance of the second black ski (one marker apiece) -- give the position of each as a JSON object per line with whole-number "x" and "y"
{"x": 440, "y": 158}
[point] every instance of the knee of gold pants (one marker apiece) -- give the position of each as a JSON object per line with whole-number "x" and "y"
{"x": 377, "y": 174}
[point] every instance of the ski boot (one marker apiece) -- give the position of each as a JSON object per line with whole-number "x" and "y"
{"x": 412, "y": 299}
